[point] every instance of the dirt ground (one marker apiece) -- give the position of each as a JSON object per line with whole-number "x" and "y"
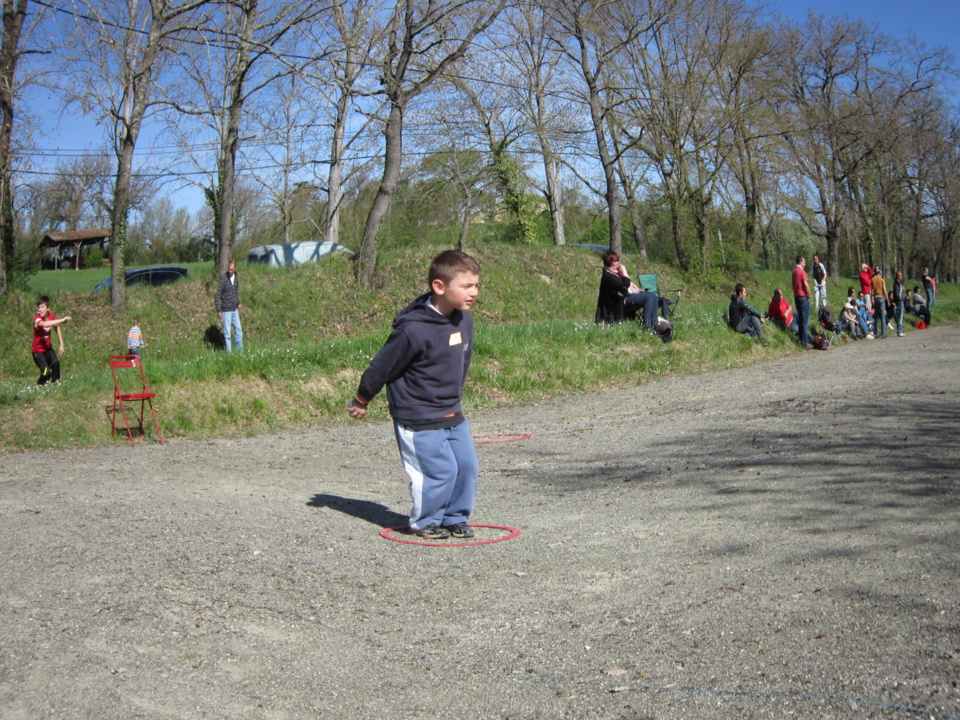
{"x": 769, "y": 542}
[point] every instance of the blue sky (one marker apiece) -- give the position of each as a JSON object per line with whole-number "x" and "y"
{"x": 936, "y": 22}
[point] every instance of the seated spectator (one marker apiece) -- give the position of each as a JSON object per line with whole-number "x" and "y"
{"x": 917, "y": 305}
{"x": 851, "y": 322}
{"x": 866, "y": 314}
{"x": 743, "y": 318}
{"x": 614, "y": 286}
{"x": 781, "y": 313}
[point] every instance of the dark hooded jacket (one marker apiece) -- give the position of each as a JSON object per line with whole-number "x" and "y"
{"x": 738, "y": 310}
{"x": 424, "y": 365}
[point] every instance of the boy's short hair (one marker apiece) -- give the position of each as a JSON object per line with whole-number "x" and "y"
{"x": 448, "y": 264}
{"x": 136, "y": 319}
{"x": 43, "y": 299}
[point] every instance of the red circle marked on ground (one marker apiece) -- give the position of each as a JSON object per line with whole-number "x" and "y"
{"x": 511, "y": 533}
{"x": 507, "y": 437}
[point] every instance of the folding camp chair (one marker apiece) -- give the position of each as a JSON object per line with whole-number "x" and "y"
{"x": 648, "y": 282}
{"x": 127, "y": 388}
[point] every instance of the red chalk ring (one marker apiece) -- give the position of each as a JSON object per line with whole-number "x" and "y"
{"x": 507, "y": 437}
{"x": 512, "y": 532}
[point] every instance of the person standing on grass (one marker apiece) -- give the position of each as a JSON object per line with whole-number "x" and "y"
{"x": 899, "y": 299}
{"x": 227, "y": 301}
{"x": 801, "y": 300}
{"x": 879, "y": 288}
{"x": 424, "y": 365}
{"x": 929, "y": 287}
{"x": 866, "y": 278}
{"x": 135, "y": 339}
{"x": 43, "y": 355}
{"x": 819, "y": 271}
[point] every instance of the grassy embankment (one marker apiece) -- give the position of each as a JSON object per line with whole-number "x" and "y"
{"x": 309, "y": 332}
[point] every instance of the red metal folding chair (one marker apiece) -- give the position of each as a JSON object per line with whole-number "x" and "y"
{"x": 126, "y": 388}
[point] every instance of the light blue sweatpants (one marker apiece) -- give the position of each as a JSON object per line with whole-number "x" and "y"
{"x": 443, "y": 469}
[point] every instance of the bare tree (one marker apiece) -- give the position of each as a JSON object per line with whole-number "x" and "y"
{"x": 345, "y": 76}
{"x": 116, "y": 51}
{"x": 424, "y": 37}
{"x": 824, "y": 67}
{"x": 593, "y": 37}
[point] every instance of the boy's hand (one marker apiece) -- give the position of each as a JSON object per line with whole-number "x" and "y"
{"x": 356, "y": 410}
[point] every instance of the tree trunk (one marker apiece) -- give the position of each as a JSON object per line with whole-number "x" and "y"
{"x": 683, "y": 259}
{"x": 13, "y": 17}
{"x": 553, "y": 199}
{"x": 393, "y": 155}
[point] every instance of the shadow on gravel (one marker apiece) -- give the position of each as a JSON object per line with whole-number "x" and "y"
{"x": 372, "y": 512}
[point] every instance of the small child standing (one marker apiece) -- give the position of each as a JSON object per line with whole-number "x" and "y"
{"x": 43, "y": 355}
{"x": 424, "y": 365}
{"x": 135, "y": 339}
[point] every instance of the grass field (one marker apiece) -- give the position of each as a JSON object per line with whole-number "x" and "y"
{"x": 309, "y": 332}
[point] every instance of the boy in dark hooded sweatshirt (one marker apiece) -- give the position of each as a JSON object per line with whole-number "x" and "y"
{"x": 424, "y": 365}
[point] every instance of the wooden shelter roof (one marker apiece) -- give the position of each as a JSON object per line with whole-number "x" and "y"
{"x": 57, "y": 239}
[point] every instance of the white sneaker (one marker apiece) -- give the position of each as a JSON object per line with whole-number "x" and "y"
{"x": 869, "y": 336}
{"x": 889, "y": 326}
{"x": 901, "y": 334}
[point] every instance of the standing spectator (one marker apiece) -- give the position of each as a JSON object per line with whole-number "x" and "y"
{"x": 879, "y": 288}
{"x": 866, "y": 277}
{"x": 135, "y": 339}
{"x": 228, "y": 305}
{"x": 930, "y": 287}
{"x": 899, "y": 295}
{"x": 801, "y": 300}
{"x": 43, "y": 355}
{"x": 743, "y": 318}
{"x": 819, "y": 281}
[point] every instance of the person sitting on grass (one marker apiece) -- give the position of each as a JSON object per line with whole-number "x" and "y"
{"x": 866, "y": 314}
{"x": 850, "y": 320}
{"x": 919, "y": 306}
{"x": 743, "y": 318}
{"x": 781, "y": 313}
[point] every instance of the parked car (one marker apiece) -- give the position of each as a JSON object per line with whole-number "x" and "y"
{"x": 153, "y": 275}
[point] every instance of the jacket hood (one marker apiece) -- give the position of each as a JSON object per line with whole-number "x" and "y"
{"x": 421, "y": 311}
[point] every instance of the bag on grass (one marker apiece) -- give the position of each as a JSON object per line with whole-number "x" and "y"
{"x": 820, "y": 344}
{"x": 664, "y": 329}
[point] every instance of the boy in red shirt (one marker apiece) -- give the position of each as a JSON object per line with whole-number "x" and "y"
{"x": 43, "y": 355}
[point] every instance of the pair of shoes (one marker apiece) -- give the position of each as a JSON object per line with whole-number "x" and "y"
{"x": 900, "y": 334}
{"x": 432, "y": 532}
{"x": 869, "y": 336}
{"x": 460, "y": 530}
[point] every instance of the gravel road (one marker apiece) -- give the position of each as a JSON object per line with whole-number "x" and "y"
{"x": 776, "y": 541}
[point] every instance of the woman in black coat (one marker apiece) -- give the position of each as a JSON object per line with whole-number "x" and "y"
{"x": 614, "y": 288}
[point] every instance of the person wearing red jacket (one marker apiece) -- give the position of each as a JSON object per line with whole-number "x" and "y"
{"x": 780, "y": 312}
{"x": 866, "y": 279}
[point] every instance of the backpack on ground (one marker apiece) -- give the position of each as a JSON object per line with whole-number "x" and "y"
{"x": 828, "y": 319}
